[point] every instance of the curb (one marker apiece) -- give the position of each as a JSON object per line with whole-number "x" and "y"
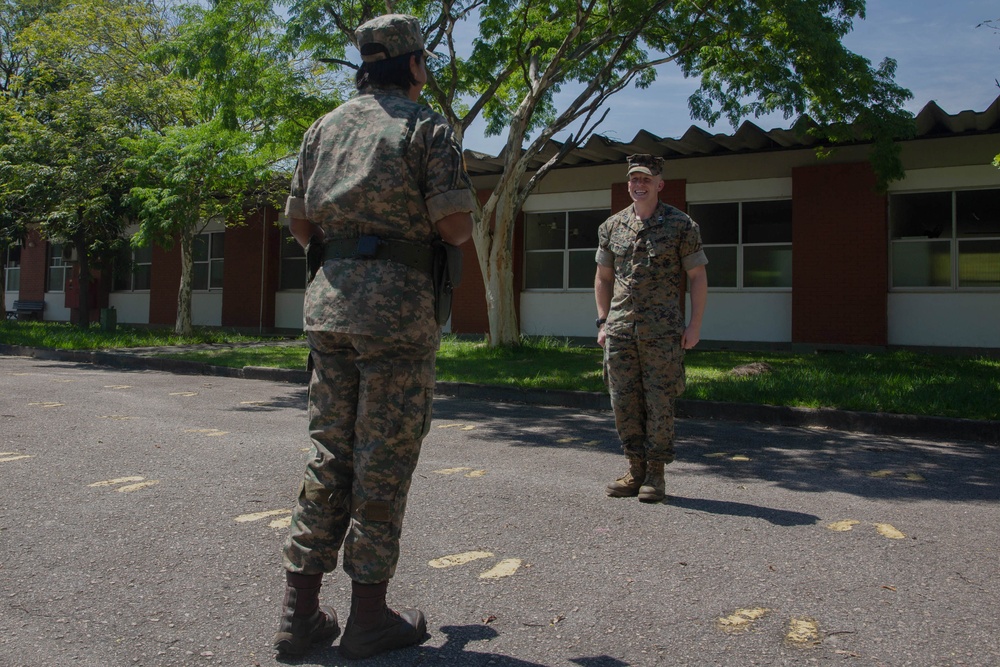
{"x": 883, "y": 424}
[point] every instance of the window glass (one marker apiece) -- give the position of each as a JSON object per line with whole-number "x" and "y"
{"x": 582, "y": 269}
{"x": 543, "y": 270}
{"x": 293, "y": 263}
{"x": 767, "y": 266}
{"x": 200, "y": 279}
{"x": 979, "y": 263}
{"x": 208, "y": 253}
{"x": 719, "y": 223}
{"x": 921, "y": 264}
{"x": 59, "y": 271}
{"x": 721, "y": 266}
{"x": 545, "y": 231}
{"x": 12, "y": 283}
{"x": 977, "y": 213}
{"x": 920, "y": 215}
{"x": 583, "y": 228}
{"x": 767, "y": 221}
{"x": 199, "y": 249}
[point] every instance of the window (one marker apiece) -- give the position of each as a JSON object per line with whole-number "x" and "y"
{"x": 748, "y": 244}
{"x": 208, "y": 256}
{"x": 946, "y": 240}
{"x": 559, "y": 249}
{"x": 133, "y": 269}
{"x": 293, "y": 263}
{"x": 12, "y": 277}
{"x": 59, "y": 270}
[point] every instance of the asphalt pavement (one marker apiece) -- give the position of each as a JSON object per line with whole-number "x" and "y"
{"x": 142, "y": 514}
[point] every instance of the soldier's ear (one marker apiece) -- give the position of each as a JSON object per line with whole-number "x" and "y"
{"x": 659, "y": 185}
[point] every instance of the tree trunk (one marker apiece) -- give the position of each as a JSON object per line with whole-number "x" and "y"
{"x": 183, "y": 325}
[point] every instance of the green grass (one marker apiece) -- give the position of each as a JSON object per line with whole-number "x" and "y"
{"x": 898, "y": 381}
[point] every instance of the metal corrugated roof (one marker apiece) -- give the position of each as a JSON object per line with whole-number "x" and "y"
{"x": 931, "y": 122}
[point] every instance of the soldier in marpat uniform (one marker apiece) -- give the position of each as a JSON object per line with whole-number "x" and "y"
{"x": 379, "y": 182}
{"x": 644, "y": 252}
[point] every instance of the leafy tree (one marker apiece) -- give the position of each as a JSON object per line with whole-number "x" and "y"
{"x": 994, "y": 25}
{"x": 752, "y": 57}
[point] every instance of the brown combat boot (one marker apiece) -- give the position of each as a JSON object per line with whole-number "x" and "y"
{"x": 654, "y": 487}
{"x": 627, "y": 486}
{"x": 303, "y": 621}
{"x": 374, "y": 628}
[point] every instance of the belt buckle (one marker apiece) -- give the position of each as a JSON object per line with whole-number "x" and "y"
{"x": 367, "y": 246}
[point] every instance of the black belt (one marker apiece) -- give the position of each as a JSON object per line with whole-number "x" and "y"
{"x": 414, "y": 255}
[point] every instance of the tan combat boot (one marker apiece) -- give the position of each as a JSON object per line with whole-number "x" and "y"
{"x": 303, "y": 621}
{"x": 627, "y": 486}
{"x": 654, "y": 487}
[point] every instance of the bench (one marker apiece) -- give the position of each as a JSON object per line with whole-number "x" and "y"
{"x": 24, "y": 309}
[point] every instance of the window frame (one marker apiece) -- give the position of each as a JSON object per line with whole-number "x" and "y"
{"x": 290, "y": 251}
{"x": 55, "y": 262}
{"x": 134, "y": 263}
{"x": 209, "y": 262}
{"x": 12, "y": 267}
{"x": 953, "y": 240}
{"x": 740, "y": 245}
{"x": 565, "y": 251}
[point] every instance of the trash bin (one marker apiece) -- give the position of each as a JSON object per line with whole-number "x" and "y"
{"x": 109, "y": 319}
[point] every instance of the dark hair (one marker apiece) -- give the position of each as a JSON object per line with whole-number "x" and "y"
{"x": 390, "y": 72}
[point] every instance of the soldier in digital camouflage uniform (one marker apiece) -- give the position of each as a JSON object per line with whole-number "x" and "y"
{"x": 643, "y": 253}
{"x": 378, "y": 179}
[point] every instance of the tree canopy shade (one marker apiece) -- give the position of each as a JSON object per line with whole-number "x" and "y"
{"x": 752, "y": 57}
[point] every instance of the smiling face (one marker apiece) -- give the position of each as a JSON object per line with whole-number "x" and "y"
{"x": 644, "y": 189}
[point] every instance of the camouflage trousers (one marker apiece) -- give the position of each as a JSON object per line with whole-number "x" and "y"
{"x": 369, "y": 410}
{"x": 644, "y": 378}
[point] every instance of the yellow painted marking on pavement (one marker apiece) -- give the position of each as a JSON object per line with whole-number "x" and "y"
{"x": 115, "y": 417}
{"x": 476, "y": 473}
{"x": 803, "y": 631}
{"x": 843, "y": 526}
{"x": 887, "y": 530}
{"x": 135, "y": 487}
{"x": 117, "y": 386}
{"x": 255, "y": 402}
{"x": 257, "y": 516}
{"x": 739, "y": 457}
{"x": 915, "y": 477}
{"x": 715, "y": 455}
{"x": 283, "y": 522}
{"x": 451, "y": 471}
{"x": 459, "y": 559}
{"x": 741, "y": 619}
{"x": 210, "y": 432}
{"x": 591, "y": 443}
{"x": 183, "y": 393}
{"x": 448, "y": 425}
{"x": 47, "y": 404}
{"x": 881, "y": 474}
{"x": 504, "y": 568}
{"x": 119, "y": 480}
{"x": 567, "y": 439}
{"x": 11, "y": 456}
{"x": 467, "y": 428}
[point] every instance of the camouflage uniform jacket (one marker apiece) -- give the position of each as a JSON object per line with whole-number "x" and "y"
{"x": 378, "y": 164}
{"x": 649, "y": 257}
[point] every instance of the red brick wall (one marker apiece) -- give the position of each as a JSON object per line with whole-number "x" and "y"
{"x": 250, "y": 248}
{"x": 839, "y": 256}
{"x": 34, "y": 266}
{"x": 164, "y": 283}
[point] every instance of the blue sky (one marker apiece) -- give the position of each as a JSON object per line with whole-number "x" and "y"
{"x": 941, "y": 55}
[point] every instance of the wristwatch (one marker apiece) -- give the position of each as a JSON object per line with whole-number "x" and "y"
{"x": 600, "y": 321}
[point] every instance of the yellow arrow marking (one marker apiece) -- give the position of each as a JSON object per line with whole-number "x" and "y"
{"x": 802, "y": 631}
{"x": 887, "y": 530}
{"x": 741, "y": 619}
{"x": 135, "y": 487}
{"x": 47, "y": 404}
{"x": 10, "y": 456}
{"x": 183, "y": 393}
{"x": 459, "y": 559}
{"x": 257, "y": 516}
{"x": 842, "y": 526}
{"x": 504, "y": 568}
{"x": 476, "y": 473}
{"x": 112, "y": 482}
{"x": 451, "y": 471}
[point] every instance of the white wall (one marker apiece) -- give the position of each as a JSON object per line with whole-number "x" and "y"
{"x": 130, "y": 307}
{"x": 558, "y": 313}
{"x": 950, "y": 319}
{"x": 206, "y": 309}
{"x": 747, "y": 316}
{"x": 288, "y": 309}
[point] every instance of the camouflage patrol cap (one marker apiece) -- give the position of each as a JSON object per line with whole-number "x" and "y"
{"x": 645, "y": 164}
{"x": 389, "y": 36}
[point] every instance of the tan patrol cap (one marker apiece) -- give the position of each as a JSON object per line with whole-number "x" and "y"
{"x": 645, "y": 164}
{"x": 389, "y": 36}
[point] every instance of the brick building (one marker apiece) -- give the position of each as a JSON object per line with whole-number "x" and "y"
{"x": 802, "y": 250}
